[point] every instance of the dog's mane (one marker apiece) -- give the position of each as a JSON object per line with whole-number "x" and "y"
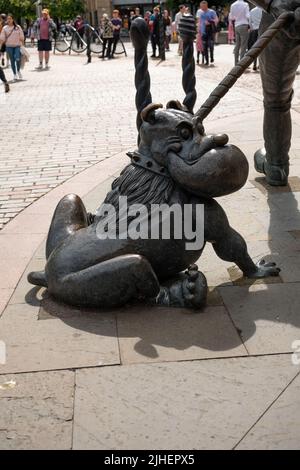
{"x": 141, "y": 186}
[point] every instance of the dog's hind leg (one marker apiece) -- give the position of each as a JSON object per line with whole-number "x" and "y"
{"x": 70, "y": 215}
{"x": 107, "y": 284}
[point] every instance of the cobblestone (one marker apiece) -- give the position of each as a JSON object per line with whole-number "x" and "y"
{"x": 63, "y": 121}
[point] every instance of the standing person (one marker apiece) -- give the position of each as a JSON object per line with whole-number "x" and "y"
{"x": 178, "y": 16}
{"x": 168, "y": 31}
{"x": 137, "y": 14}
{"x": 117, "y": 24}
{"x": 107, "y": 35}
{"x": 255, "y": 19}
{"x": 13, "y": 37}
{"x": 239, "y": 12}
{"x": 199, "y": 47}
{"x": 154, "y": 25}
{"x": 79, "y": 26}
{"x": 207, "y": 22}
{"x": 130, "y": 19}
{"x": 44, "y": 30}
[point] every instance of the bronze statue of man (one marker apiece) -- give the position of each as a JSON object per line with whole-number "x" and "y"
{"x": 278, "y": 66}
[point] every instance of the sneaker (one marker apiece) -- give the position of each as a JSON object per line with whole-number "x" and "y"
{"x": 20, "y": 77}
{"x": 47, "y": 67}
{"x": 15, "y": 78}
{"x": 39, "y": 67}
{"x": 6, "y": 87}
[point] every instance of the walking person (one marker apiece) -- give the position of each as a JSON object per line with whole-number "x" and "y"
{"x": 207, "y": 22}
{"x": 44, "y": 29}
{"x": 255, "y": 19}
{"x": 239, "y": 12}
{"x": 13, "y": 37}
{"x": 117, "y": 24}
{"x": 178, "y": 16}
{"x": 107, "y": 35}
{"x": 168, "y": 31}
{"x": 80, "y": 27}
{"x": 154, "y": 35}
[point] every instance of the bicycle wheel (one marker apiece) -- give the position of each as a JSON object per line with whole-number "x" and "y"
{"x": 61, "y": 44}
{"x": 120, "y": 49}
{"x": 96, "y": 43}
{"x": 78, "y": 45}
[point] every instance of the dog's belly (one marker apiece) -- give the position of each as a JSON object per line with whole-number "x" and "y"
{"x": 84, "y": 249}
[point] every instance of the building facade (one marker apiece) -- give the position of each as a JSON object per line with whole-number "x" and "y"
{"x": 96, "y": 8}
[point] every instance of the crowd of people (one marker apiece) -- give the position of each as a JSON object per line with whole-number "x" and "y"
{"x": 241, "y": 22}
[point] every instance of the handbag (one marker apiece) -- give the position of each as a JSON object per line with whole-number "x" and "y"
{"x": 24, "y": 56}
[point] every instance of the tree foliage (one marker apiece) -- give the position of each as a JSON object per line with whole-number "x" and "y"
{"x": 62, "y": 9}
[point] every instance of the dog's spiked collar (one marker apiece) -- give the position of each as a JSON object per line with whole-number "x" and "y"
{"x": 137, "y": 159}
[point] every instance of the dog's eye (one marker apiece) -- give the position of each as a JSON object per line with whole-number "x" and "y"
{"x": 185, "y": 133}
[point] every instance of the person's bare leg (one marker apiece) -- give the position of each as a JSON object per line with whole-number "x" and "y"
{"x": 47, "y": 56}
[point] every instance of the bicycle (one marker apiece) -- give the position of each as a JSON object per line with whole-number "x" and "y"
{"x": 69, "y": 40}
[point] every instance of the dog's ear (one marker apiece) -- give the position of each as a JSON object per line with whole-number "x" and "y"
{"x": 175, "y": 104}
{"x": 148, "y": 113}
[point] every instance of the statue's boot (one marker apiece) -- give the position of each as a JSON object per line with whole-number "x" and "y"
{"x": 273, "y": 160}
{"x": 276, "y": 175}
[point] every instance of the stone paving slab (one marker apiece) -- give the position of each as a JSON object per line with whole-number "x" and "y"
{"x": 162, "y": 334}
{"x": 267, "y": 316}
{"x": 183, "y": 405}
{"x": 56, "y": 337}
{"x": 279, "y": 427}
{"x": 37, "y": 412}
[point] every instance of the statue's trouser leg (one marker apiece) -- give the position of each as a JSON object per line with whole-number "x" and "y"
{"x": 70, "y": 215}
{"x": 278, "y": 65}
{"x": 108, "y": 284}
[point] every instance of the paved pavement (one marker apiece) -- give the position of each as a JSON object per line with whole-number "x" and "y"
{"x": 142, "y": 377}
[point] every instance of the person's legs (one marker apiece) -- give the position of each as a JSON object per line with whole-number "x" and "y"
{"x": 116, "y": 40}
{"x": 11, "y": 54}
{"x": 47, "y": 56}
{"x": 251, "y": 41}
{"x": 205, "y": 48}
{"x": 153, "y": 44}
{"x": 211, "y": 48}
{"x": 237, "y": 45}
{"x": 244, "y": 34}
{"x": 278, "y": 64}
{"x": 180, "y": 45}
{"x": 18, "y": 58}
{"x": 104, "y": 47}
{"x": 109, "y": 44}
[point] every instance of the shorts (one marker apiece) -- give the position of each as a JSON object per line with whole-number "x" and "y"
{"x": 44, "y": 45}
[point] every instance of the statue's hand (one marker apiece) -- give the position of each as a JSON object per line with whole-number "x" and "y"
{"x": 278, "y": 7}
